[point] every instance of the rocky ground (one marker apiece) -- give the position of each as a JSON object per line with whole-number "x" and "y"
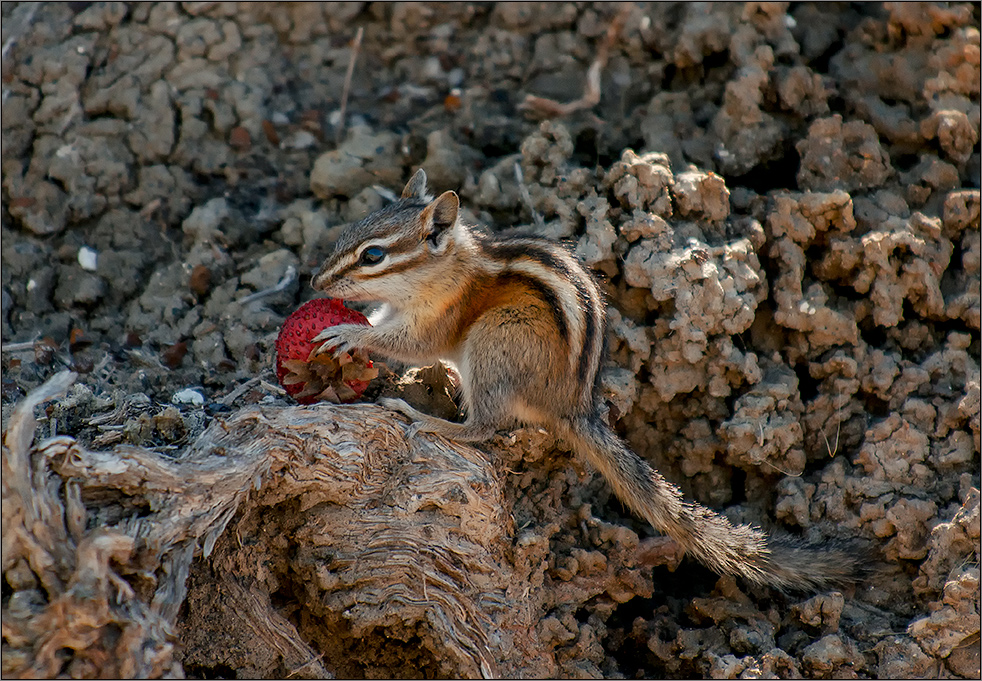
{"x": 783, "y": 201}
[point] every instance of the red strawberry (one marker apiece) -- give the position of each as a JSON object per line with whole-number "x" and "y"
{"x": 310, "y": 377}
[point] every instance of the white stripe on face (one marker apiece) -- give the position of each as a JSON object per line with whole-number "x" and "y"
{"x": 393, "y": 263}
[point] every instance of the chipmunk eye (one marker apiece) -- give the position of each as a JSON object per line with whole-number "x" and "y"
{"x": 372, "y": 255}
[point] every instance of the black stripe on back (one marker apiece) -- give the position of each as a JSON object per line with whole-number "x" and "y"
{"x": 604, "y": 343}
{"x": 513, "y": 250}
{"x": 551, "y": 299}
{"x": 583, "y": 369}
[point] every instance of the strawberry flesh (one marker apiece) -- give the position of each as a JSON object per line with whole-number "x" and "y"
{"x": 309, "y": 377}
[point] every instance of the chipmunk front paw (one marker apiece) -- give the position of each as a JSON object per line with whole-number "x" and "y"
{"x": 341, "y": 338}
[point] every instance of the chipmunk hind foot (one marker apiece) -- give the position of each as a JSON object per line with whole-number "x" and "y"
{"x": 469, "y": 431}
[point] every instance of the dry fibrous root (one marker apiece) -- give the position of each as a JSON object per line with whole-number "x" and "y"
{"x": 543, "y": 107}
{"x": 72, "y": 611}
{"x": 389, "y": 538}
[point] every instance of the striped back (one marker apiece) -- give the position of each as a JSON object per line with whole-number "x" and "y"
{"x": 570, "y": 291}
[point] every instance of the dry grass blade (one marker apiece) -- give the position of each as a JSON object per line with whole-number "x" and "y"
{"x": 355, "y": 47}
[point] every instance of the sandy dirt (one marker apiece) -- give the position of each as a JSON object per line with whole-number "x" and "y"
{"x": 783, "y": 202}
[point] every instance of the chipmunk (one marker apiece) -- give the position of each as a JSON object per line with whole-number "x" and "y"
{"x": 525, "y": 325}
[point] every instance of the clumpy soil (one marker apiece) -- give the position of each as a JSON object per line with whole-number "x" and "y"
{"x": 783, "y": 202}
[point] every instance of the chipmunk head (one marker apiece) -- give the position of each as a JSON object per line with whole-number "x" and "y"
{"x": 390, "y": 253}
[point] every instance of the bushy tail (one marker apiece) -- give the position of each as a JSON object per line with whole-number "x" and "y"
{"x": 787, "y": 564}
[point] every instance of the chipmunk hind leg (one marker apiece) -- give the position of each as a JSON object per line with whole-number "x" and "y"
{"x": 740, "y": 550}
{"x": 472, "y": 430}
{"x": 499, "y": 388}
{"x": 489, "y": 396}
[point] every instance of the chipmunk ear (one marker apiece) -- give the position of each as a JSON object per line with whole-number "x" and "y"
{"x": 440, "y": 216}
{"x": 416, "y": 187}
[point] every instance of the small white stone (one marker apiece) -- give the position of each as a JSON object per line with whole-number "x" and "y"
{"x": 299, "y": 140}
{"x": 88, "y": 259}
{"x": 188, "y": 396}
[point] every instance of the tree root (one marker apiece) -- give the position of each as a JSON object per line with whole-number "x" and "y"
{"x": 389, "y": 535}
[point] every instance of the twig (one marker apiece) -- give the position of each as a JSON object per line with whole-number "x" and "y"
{"x": 17, "y": 347}
{"x": 838, "y": 425}
{"x": 238, "y": 392}
{"x": 386, "y": 194}
{"x": 21, "y": 19}
{"x": 291, "y": 274}
{"x": 355, "y": 46}
{"x": 523, "y": 191}
{"x": 306, "y": 664}
{"x": 270, "y": 388}
{"x": 787, "y": 473}
{"x": 550, "y": 108}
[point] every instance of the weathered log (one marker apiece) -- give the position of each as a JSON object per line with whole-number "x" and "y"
{"x": 399, "y": 554}
{"x": 71, "y": 612}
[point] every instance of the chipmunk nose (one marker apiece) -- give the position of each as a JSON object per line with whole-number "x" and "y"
{"x": 321, "y": 280}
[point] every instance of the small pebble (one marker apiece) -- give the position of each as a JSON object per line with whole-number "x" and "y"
{"x": 188, "y": 396}
{"x": 88, "y": 259}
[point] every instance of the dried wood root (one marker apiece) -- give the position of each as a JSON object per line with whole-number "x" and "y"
{"x": 71, "y": 611}
{"x": 299, "y": 542}
{"x": 543, "y": 107}
{"x": 399, "y": 539}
